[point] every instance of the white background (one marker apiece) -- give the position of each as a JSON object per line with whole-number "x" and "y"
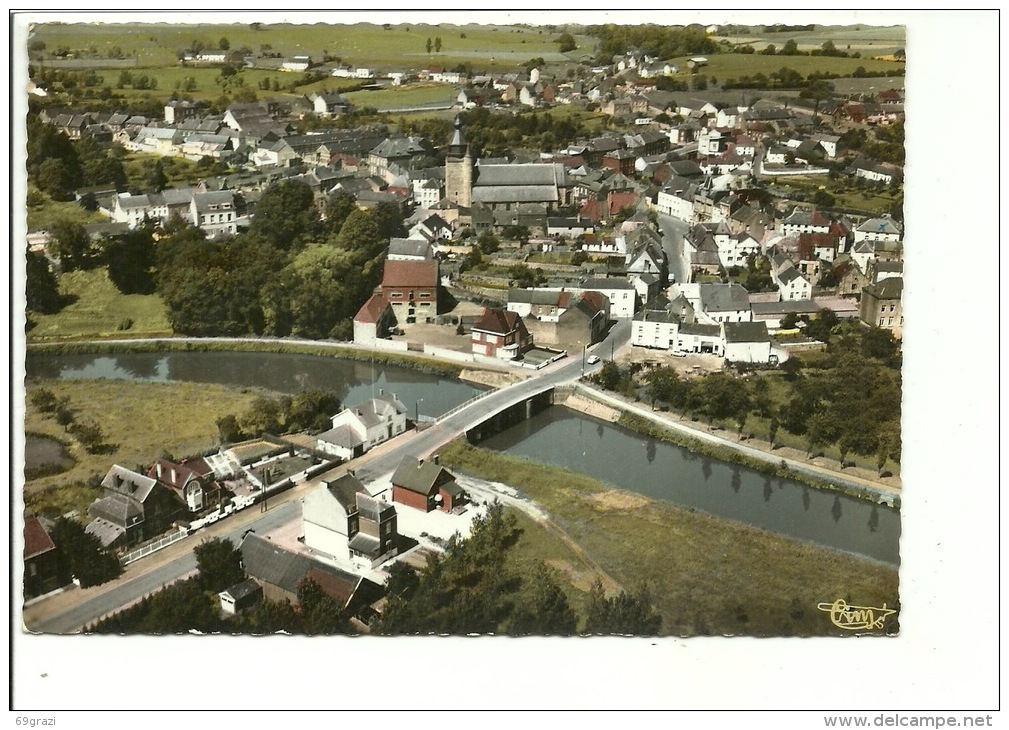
{"x": 946, "y": 657}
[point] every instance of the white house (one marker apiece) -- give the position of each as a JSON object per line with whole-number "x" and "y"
{"x": 792, "y": 285}
{"x": 620, "y": 292}
{"x": 677, "y": 202}
{"x": 214, "y": 212}
{"x": 718, "y": 303}
{"x": 746, "y": 342}
{"x": 356, "y": 430}
{"x": 878, "y": 229}
{"x": 296, "y": 64}
{"x": 655, "y": 328}
{"x": 736, "y": 250}
{"x": 342, "y": 520}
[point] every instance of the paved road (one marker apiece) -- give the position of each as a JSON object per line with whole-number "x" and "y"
{"x": 69, "y": 612}
{"x": 673, "y": 230}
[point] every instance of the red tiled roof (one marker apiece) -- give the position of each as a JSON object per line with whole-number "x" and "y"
{"x": 594, "y": 299}
{"x": 810, "y": 241}
{"x": 168, "y": 469}
{"x": 372, "y": 309}
{"x": 498, "y": 321}
{"x": 819, "y": 219}
{"x": 619, "y": 201}
{"x": 37, "y": 540}
{"x": 410, "y": 273}
{"x": 339, "y": 590}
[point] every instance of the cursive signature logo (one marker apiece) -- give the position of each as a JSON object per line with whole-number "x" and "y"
{"x": 855, "y": 618}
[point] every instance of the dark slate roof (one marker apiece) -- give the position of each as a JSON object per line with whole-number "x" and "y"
{"x": 891, "y": 288}
{"x": 746, "y": 332}
{"x": 246, "y": 588}
{"x": 707, "y": 330}
{"x": 410, "y": 247}
{"x": 126, "y": 482}
{"x": 341, "y": 436}
{"x": 271, "y": 564}
{"x": 498, "y": 321}
{"x": 345, "y": 491}
{"x": 603, "y": 284}
{"x": 548, "y": 174}
{"x": 106, "y": 532}
{"x": 796, "y": 306}
{"x": 417, "y": 476}
{"x": 723, "y": 297}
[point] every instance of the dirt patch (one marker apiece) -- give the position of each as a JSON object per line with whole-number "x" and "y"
{"x": 614, "y": 500}
{"x": 491, "y": 378}
{"x": 592, "y": 408}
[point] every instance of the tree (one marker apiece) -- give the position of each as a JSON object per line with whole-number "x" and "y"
{"x": 773, "y": 433}
{"x": 311, "y": 410}
{"x": 566, "y": 43}
{"x": 42, "y": 292}
{"x": 488, "y": 243}
{"x": 130, "y": 262}
{"x": 769, "y": 50}
{"x": 546, "y": 612}
{"x": 320, "y": 614}
{"x": 285, "y": 215}
{"x": 429, "y": 45}
{"x": 437, "y": 44}
{"x": 822, "y": 326}
{"x": 789, "y": 49}
{"x": 789, "y": 321}
{"x": 157, "y": 180}
{"x": 223, "y": 44}
{"x": 90, "y": 435}
{"x": 623, "y": 614}
{"x": 609, "y": 376}
{"x": 219, "y": 563}
{"x": 81, "y": 555}
{"x": 72, "y": 244}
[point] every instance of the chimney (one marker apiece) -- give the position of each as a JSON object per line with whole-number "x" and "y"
{"x": 173, "y": 476}
{"x": 351, "y": 472}
{"x": 436, "y": 459}
{"x": 159, "y": 469}
{"x": 420, "y": 463}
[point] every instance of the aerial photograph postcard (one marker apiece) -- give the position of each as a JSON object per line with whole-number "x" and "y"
{"x": 461, "y": 329}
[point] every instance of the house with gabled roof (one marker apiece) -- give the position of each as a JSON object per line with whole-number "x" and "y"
{"x": 41, "y": 559}
{"x": 500, "y": 334}
{"x": 790, "y": 281}
{"x": 411, "y": 288}
{"x": 804, "y": 221}
{"x": 281, "y": 572}
{"x": 426, "y": 485}
{"x": 882, "y": 305}
{"x": 878, "y": 229}
{"x": 135, "y": 508}
{"x": 195, "y": 489}
{"x": 374, "y": 320}
{"x": 341, "y": 519}
{"x": 746, "y": 342}
{"x": 356, "y": 430}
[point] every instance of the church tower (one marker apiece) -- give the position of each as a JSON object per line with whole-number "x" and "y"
{"x": 459, "y": 168}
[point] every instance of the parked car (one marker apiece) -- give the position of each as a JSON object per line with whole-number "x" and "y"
{"x": 593, "y": 359}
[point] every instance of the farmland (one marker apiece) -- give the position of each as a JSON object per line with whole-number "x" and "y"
{"x": 724, "y": 66}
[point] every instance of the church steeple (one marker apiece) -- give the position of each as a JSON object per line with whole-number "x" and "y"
{"x": 458, "y": 147}
{"x": 459, "y": 168}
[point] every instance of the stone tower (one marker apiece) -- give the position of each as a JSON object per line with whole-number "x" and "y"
{"x": 459, "y": 169}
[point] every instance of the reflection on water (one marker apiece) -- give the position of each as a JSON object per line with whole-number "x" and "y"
{"x": 354, "y": 381}
{"x": 615, "y": 455}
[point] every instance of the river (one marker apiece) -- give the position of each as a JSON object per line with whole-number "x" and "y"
{"x": 661, "y": 470}
{"x": 355, "y": 381}
{"x": 557, "y": 436}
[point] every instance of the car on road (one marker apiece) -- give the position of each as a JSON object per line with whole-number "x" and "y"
{"x": 593, "y": 359}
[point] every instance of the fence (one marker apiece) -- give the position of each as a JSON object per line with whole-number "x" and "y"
{"x": 152, "y": 547}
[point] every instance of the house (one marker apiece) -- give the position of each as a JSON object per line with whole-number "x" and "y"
{"x": 878, "y": 229}
{"x": 215, "y": 213}
{"x": 746, "y": 342}
{"x": 41, "y": 559}
{"x": 881, "y": 305}
{"x": 329, "y": 104}
{"x": 500, "y": 334}
{"x": 656, "y": 328}
{"x": 569, "y": 227}
{"x": 281, "y": 572}
{"x": 562, "y": 319}
{"x": 426, "y": 485}
{"x": 736, "y": 250}
{"x": 240, "y": 597}
{"x": 411, "y": 288}
{"x": 195, "y": 490}
{"x": 135, "y": 508}
{"x": 704, "y": 339}
{"x": 409, "y": 249}
{"x": 718, "y": 303}
{"x": 620, "y": 293}
{"x": 771, "y": 313}
{"x": 804, "y": 221}
{"x": 341, "y": 519}
{"x": 356, "y": 430}
{"x": 790, "y": 282}
{"x": 433, "y": 228}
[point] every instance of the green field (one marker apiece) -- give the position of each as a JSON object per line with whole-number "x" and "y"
{"x": 725, "y": 66}
{"x": 847, "y": 197}
{"x": 866, "y": 39}
{"x": 142, "y": 421}
{"x": 706, "y": 575}
{"x": 404, "y": 97}
{"x": 99, "y": 310}
{"x": 489, "y": 47}
{"x": 44, "y": 211}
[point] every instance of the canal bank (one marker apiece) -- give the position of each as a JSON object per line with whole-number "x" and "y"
{"x": 753, "y": 454}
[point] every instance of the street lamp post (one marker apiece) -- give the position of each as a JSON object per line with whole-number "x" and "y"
{"x": 583, "y": 358}
{"x": 416, "y": 406}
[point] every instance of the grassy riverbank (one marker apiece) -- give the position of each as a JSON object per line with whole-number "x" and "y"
{"x": 140, "y": 421}
{"x": 707, "y": 575}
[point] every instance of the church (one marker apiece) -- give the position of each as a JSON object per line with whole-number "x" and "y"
{"x": 501, "y": 186}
